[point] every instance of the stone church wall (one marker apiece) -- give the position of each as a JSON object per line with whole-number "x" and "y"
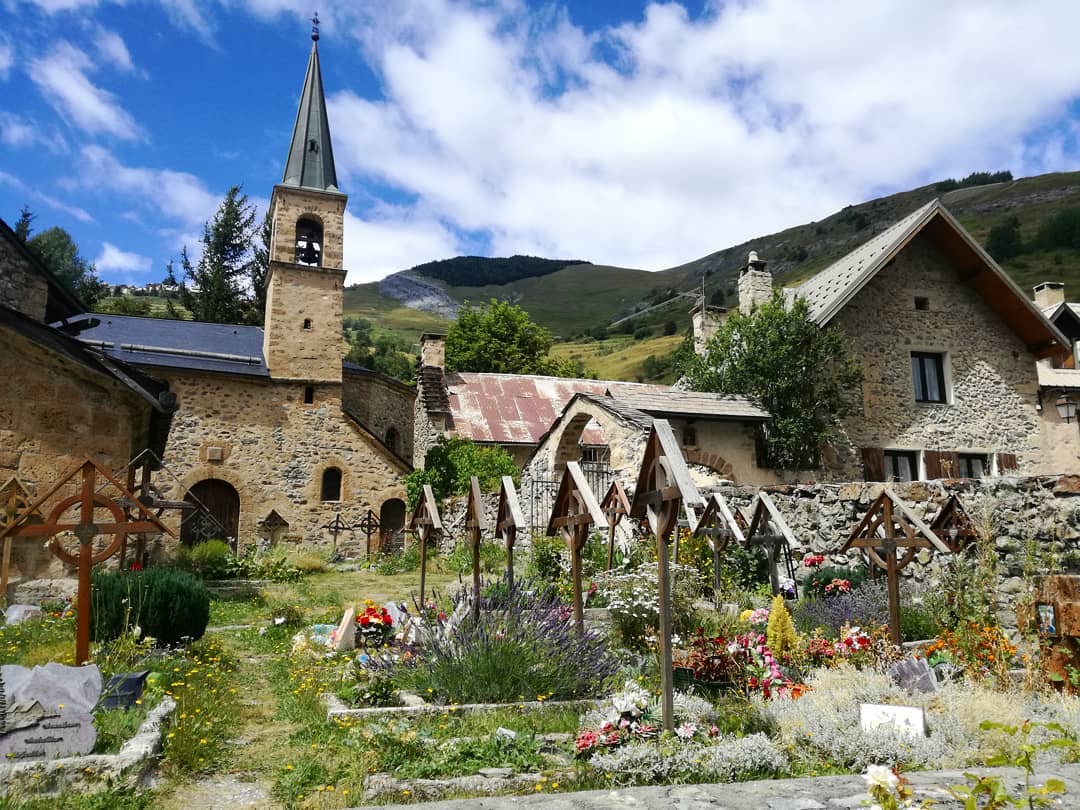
{"x": 21, "y": 287}
{"x": 274, "y": 449}
{"x": 990, "y": 374}
{"x": 381, "y": 404}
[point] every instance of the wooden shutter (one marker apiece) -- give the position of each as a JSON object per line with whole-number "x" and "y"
{"x": 1006, "y": 463}
{"x": 932, "y": 462}
{"x": 873, "y": 459}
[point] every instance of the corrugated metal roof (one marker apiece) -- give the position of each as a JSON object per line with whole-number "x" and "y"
{"x": 519, "y": 409}
{"x": 225, "y": 348}
{"x": 830, "y": 289}
{"x": 693, "y": 403}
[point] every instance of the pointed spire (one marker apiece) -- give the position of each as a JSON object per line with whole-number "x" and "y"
{"x": 311, "y": 156}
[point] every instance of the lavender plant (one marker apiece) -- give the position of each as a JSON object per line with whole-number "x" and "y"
{"x": 524, "y": 646}
{"x": 867, "y": 604}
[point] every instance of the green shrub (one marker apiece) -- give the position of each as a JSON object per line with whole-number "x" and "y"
{"x": 492, "y": 558}
{"x": 166, "y": 603}
{"x": 815, "y": 584}
{"x": 548, "y": 560}
{"x": 449, "y": 465}
{"x": 213, "y": 559}
{"x": 399, "y": 562}
{"x": 308, "y": 562}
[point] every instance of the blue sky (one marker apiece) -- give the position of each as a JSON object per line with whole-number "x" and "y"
{"x": 629, "y": 133}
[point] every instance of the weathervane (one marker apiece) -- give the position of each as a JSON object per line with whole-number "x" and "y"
{"x": 315, "y": 27}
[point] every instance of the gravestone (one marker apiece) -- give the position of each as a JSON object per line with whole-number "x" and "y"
{"x": 121, "y": 691}
{"x": 908, "y": 720}
{"x": 345, "y": 635}
{"x": 914, "y": 675}
{"x": 46, "y": 711}
{"x": 17, "y": 614}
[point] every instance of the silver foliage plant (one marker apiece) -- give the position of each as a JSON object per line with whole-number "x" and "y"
{"x": 727, "y": 759}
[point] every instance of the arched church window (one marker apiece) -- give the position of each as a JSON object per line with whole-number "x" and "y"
{"x": 392, "y": 440}
{"x": 331, "y": 484}
{"x": 309, "y": 241}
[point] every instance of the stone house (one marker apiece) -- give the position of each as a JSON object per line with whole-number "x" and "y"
{"x": 275, "y": 434}
{"x": 1059, "y": 380}
{"x": 949, "y": 347}
{"x": 62, "y": 401}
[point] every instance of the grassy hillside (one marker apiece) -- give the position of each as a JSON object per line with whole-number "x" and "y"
{"x": 620, "y": 358}
{"x": 389, "y": 317}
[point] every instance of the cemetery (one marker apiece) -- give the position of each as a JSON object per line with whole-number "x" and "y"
{"x": 659, "y": 637}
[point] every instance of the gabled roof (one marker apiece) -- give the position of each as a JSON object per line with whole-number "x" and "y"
{"x": 192, "y": 345}
{"x": 310, "y": 163}
{"x": 514, "y": 408}
{"x": 831, "y": 289}
{"x": 694, "y": 404}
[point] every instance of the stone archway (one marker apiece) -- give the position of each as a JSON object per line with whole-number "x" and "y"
{"x": 568, "y": 448}
{"x": 713, "y": 461}
{"x": 391, "y": 521}
{"x": 222, "y": 501}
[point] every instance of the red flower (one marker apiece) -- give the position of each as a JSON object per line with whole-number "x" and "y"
{"x": 135, "y": 567}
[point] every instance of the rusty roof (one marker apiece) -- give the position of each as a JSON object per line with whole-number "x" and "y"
{"x": 519, "y": 409}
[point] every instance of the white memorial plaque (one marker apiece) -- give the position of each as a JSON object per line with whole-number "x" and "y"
{"x": 908, "y": 720}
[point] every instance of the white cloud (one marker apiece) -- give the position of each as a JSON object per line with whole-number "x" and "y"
{"x": 393, "y": 240}
{"x": 7, "y": 58}
{"x": 666, "y": 138}
{"x": 61, "y": 77}
{"x": 114, "y": 260}
{"x": 110, "y": 46}
{"x": 58, "y": 205}
{"x": 176, "y": 195}
{"x": 23, "y": 133}
{"x": 53, "y": 6}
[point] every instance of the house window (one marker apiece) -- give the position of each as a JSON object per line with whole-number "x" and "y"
{"x": 309, "y": 394}
{"x": 331, "y": 484}
{"x": 928, "y": 375}
{"x": 973, "y": 465}
{"x": 901, "y": 465}
{"x": 307, "y": 324}
{"x": 922, "y": 303}
{"x": 689, "y": 436}
{"x": 594, "y": 454}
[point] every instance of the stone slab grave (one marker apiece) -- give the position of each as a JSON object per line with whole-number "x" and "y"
{"x": 45, "y": 712}
{"x": 913, "y": 675}
{"x": 344, "y": 637}
{"x": 17, "y": 614}
{"x": 908, "y": 720}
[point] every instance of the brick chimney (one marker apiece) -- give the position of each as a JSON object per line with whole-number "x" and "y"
{"x": 432, "y": 350}
{"x": 1049, "y": 294}
{"x": 755, "y": 284}
{"x": 706, "y": 321}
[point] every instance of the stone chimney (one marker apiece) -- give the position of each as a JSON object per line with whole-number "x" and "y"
{"x": 755, "y": 284}
{"x": 1049, "y": 294}
{"x": 706, "y": 321}
{"x": 432, "y": 350}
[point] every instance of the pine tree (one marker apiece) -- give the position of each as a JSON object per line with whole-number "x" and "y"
{"x": 216, "y": 289}
{"x": 22, "y": 227}
{"x": 260, "y": 267}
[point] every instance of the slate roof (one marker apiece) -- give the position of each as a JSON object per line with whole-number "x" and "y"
{"x": 696, "y": 404}
{"x": 827, "y": 291}
{"x": 163, "y": 343}
{"x": 517, "y": 408}
{"x": 62, "y": 301}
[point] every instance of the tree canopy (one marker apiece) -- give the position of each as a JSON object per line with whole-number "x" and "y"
{"x": 59, "y": 253}
{"x": 219, "y": 287}
{"x": 386, "y": 354}
{"x": 450, "y": 463}
{"x": 802, "y": 374}
{"x": 501, "y": 337}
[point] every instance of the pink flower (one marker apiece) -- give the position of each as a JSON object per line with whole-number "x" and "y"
{"x": 586, "y": 741}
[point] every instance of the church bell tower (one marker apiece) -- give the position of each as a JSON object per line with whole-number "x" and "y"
{"x": 302, "y": 329}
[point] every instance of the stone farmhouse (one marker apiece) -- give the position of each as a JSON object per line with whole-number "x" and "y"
{"x": 63, "y": 401}
{"x": 276, "y": 434}
{"x": 952, "y": 355}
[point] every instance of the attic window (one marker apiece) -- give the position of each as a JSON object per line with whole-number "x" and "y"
{"x": 921, "y": 302}
{"x": 689, "y": 437}
{"x": 309, "y": 394}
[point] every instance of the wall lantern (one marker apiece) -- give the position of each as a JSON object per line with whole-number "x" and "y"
{"x": 1066, "y": 407}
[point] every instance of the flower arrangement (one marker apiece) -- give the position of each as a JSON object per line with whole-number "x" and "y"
{"x": 375, "y": 626}
{"x": 745, "y": 661}
{"x": 980, "y": 650}
{"x": 838, "y": 586}
{"x": 813, "y": 560}
{"x": 757, "y": 618}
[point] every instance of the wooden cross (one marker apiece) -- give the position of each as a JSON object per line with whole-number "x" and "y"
{"x": 615, "y": 507}
{"x": 891, "y": 535}
{"x": 425, "y": 519}
{"x": 574, "y": 513}
{"x": 768, "y": 529}
{"x": 15, "y": 498}
{"x": 475, "y": 526}
{"x": 953, "y": 526}
{"x": 663, "y": 487}
{"x": 88, "y": 500}
{"x": 717, "y": 523}
{"x": 507, "y": 520}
